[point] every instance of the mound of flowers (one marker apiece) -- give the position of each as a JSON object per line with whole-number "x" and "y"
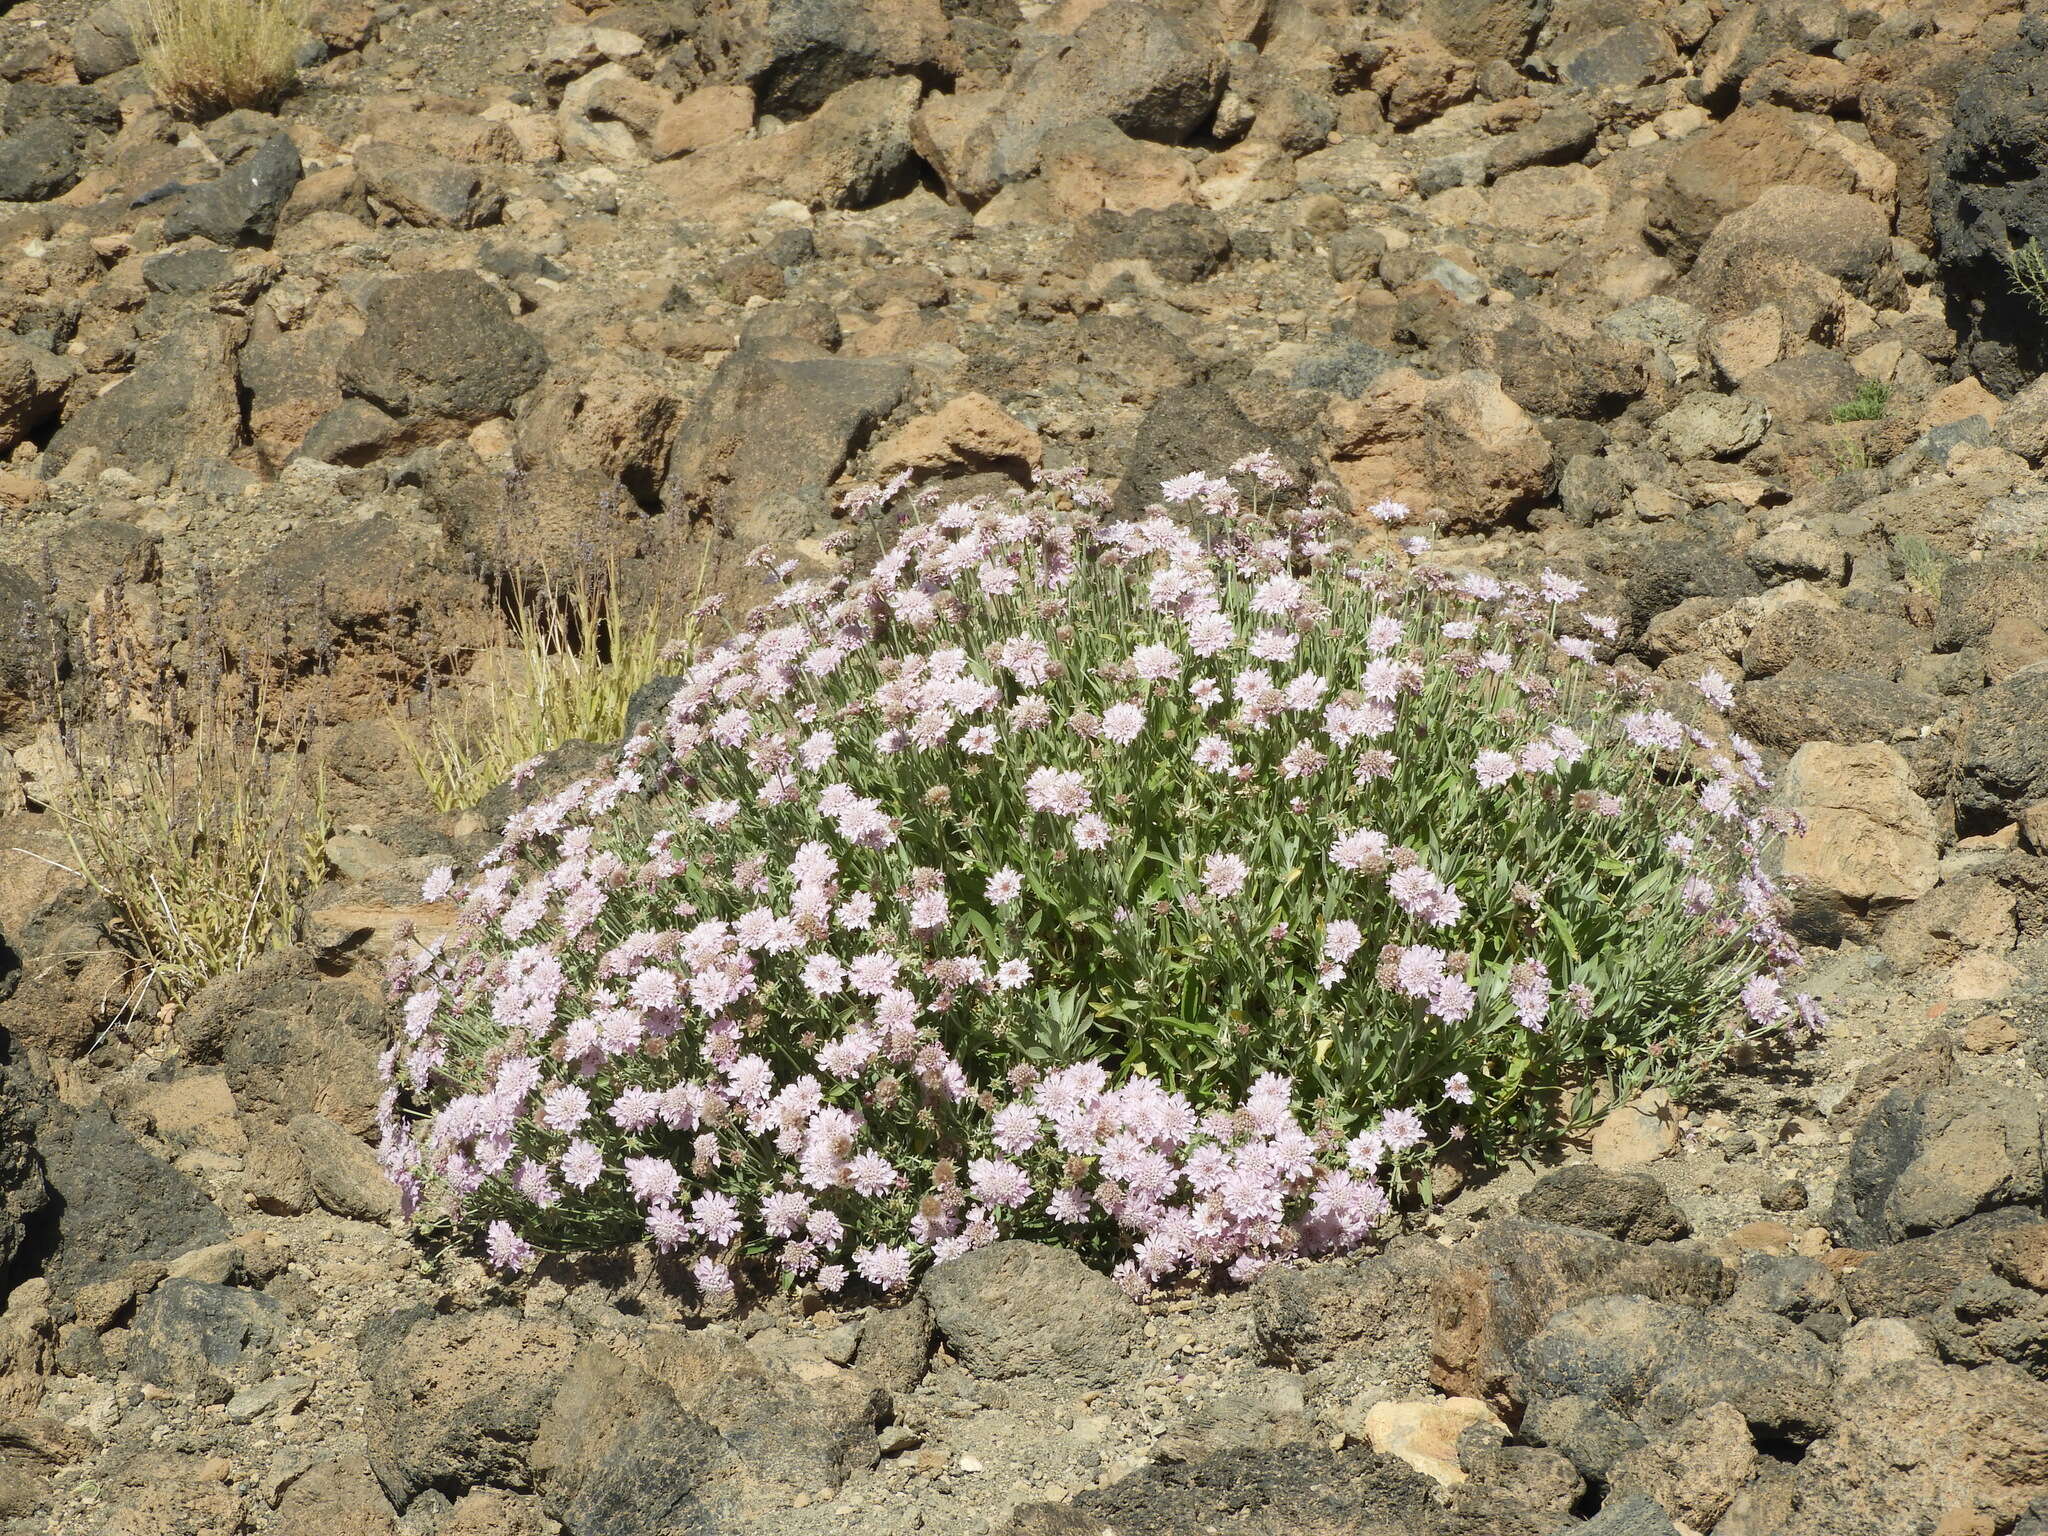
{"x": 1169, "y": 888}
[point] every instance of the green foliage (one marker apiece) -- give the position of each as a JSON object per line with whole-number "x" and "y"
{"x": 1923, "y": 567}
{"x": 1868, "y": 404}
{"x": 1226, "y": 817}
{"x": 2027, "y": 266}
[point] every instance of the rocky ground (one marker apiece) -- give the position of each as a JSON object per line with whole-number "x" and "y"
{"x": 506, "y": 288}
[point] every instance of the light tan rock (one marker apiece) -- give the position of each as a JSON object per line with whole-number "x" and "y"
{"x": 1638, "y": 1132}
{"x": 1868, "y": 835}
{"x": 1694, "y": 1469}
{"x": 1742, "y": 346}
{"x": 1457, "y": 444}
{"x": 1965, "y": 397}
{"x": 708, "y": 116}
{"x": 970, "y": 431}
{"x": 1094, "y": 165}
{"x": 1425, "y": 1434}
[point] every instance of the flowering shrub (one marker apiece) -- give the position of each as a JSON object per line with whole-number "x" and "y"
{"x": 1159, "y": 887}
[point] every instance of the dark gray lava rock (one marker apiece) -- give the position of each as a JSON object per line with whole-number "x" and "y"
{"x": 1924, "y": 1162}
{"x": 441, "y": 351}
{"x": 201, "y": 1339}
{"x": 241, "y": 205}
{"x": 1633, "y": 1207}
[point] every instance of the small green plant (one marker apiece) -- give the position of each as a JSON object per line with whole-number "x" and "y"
{"x": 1868, "y": 403}
{"x": 575, "y": 660}
{"x": 1922, "y": 565}
{"x": 2027, "y": 265}
{"x": 206, "y": 57}
{"x": 1849, "y": 454}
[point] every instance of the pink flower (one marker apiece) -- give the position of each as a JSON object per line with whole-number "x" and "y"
{"x": 1493, "y": 769}
{"x": 823, "y": 976}
{"x": 1341, "y": 940}
{"x": 564, "y": 1108}
{"x": 1387, "y": 510}
{"x": 1360, "y": 851}
{"x": 998, "y": 1183}
{"x": 507, "y": 1250}
{"x": 1213, "y": 754}
{"x": 1091, "y": 833}
{"x": 1224, "y": 875}
{"x": 1716, "y": 690}
{"x": 1122, "y": 722}
{"x": 1274, "y": 645}
{"x": 1156, "y": 663}
{"x": 1401, "y": 1129}
{"x": 870, "y": 1174}
{"x": 1424, "y": 897}
{"x": 1015, "y": 1129}
{"x": 885, "y": 1268}
{"x": 1458, "y": 1088}
{"x": 1004, "y": 887}
{"x": 653, "y": 1180}
{"x": 1056, "y": 792}
{"x": 1011, "y": 975}
{"x": 582, "y": 1165}
{"x": 716, "y": 1218}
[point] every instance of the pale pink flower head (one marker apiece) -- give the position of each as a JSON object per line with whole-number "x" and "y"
{"x": 1056, "y": 792}
{"x": 1224, "y": 875}
{"x": 1716, "y": 689}
{"x": 1004, "y": 887}
{"x": 1122, "y": 722}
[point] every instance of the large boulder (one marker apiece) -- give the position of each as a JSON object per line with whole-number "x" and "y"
{"x": 1867, "y": 835}
{"x": 2005, "y": 756}
{"x": 40, "y": 160}
{"x": 115, "y": 1202}
{"x": 425, "y": 189}
{"x": 1132, "y": 63}
{"x": 853, "y": 151}
{"x": 1458, "y": 443}
{"x": 1729, "y": 166}
{"x": 200, "y": 1338}
{"x": 1199, "y": 426}
{"x": 1631, "y": 1207}
{"x": 291, "y": 1042}
{"x": 1794, "y": 235}
{"x": 32, "y": 386}
{"x": 1658, "y": 1364}
{"x": 456, "y": 1399}
{"x": 1989, "y": 194}
{"x": 1924, "y": 1162}
{"x": 1916, "y": 1441}
{"x": 180, "y": 408}
{"x": 797, "y": 53}
{"x": 1023, "y": 1309}
{"x": 760, "y": 486}
{"x": 1485, "y": 30}
{"x": 241, "y": 205}
{"x": 1485, "y": 1299}
{"x": 440, "y": 352}
{"x": 23, "y": 1190}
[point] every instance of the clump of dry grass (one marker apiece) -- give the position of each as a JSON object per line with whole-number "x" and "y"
{"x": 188, "y": 798}
{"x": 570, "y": 660}
{"x": 206, "y": 57}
